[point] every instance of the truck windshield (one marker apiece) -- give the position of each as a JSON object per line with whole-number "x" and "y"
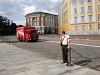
{"x": 34, "y": 32}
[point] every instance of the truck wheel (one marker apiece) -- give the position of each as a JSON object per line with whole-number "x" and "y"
{"x": 35, "y": 39}
{"x": 19, "y": 39}
{"x": 26, "y": 40}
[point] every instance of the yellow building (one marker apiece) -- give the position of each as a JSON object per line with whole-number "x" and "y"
{"x": 79, "y": 17}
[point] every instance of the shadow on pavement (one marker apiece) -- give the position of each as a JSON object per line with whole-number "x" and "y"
{"x": 97, "y": 67}
{"x": 40, "y": 40}
{"x": 83, "y": 62}
{"x": 69, "y": 71}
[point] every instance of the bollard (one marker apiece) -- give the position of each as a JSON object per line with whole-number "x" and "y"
{"x": 9, "y": 41}
{"x": 70, "y": 57}
{"x": 4, "y": 40}
{"x": 1, "y": 39}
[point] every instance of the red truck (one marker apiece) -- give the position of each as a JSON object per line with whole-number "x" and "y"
{"x": 27, "y": 34}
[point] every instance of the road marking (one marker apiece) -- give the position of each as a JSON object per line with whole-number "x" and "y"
{"x": 52, "y": 41}
{"x": 77, "y": 44}
{"x": 85, "y": 45}
{"x": 86, "y": 39}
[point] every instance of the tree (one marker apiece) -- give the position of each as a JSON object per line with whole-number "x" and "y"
{"x": 20, "y": 26}
{"x": 13, "y": 28}
{"x": 5, "y": 27}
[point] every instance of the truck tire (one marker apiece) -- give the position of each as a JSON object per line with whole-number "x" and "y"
{"x": 26, "y": 40}
{"x": 19, "y": 39}
{"x": 36, "y": 39}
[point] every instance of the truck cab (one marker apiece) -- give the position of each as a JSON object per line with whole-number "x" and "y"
{"x": 32, "y": 35}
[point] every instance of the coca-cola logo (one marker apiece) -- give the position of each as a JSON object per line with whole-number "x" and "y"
{"x": 20, "y": 32}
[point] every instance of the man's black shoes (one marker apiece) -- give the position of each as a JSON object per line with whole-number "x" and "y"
{"x": 67, "y": 64}
{"x": 63, "y": 62}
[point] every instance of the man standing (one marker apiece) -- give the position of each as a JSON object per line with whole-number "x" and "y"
{"x": 65, "y": 44}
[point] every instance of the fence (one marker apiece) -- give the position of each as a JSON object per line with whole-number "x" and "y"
{"x": 4, "y": 39}
{"x": 93, "y": 59}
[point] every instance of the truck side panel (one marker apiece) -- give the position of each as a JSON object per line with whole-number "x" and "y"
{"x": 21, "y": 33}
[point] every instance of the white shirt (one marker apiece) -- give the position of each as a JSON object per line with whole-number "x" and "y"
{"x": 66, "y": 39}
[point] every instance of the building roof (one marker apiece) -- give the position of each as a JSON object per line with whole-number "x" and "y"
{"x": 39, "y": 13}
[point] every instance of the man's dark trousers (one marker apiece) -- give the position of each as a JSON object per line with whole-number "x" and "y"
{"x": 65, "y": 53}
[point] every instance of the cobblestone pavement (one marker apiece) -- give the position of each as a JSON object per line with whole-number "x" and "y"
{"x": 87, "y": 48}
{"x": 18, "y": 61}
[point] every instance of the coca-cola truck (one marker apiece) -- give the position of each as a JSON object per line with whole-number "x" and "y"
{"x": 27, "y": 34}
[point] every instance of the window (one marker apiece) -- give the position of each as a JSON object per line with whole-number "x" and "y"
{"x": 82, "y": 27}
{"x": 35, "y": 24}
{"x": 90, "y": 27}
{"x": 33, "y": 32}
{"x": 98, "y": 26}
{"x": 75, "y": 10}
{"x": 81, "y": 1}
{"x": 31, "y": 21}
{"x": 75, "y": 19}
{"x": 99, "y": 17}
{"x": 98, "y": 7}
{"x": 89, "y": 8}
{"x": 74, "y": 2}
{"x": 82, "y": 18}
{"x": 90, "y": 17}
{"x": 34, "y": 18}
{"x": 35, "y": 21}
{"x": 82, "y": 9}
{"x": 75, "y": 28}
{"x": 89, "y": 1}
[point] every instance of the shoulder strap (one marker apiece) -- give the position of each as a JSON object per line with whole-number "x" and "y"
{"x": 63, "y": 38}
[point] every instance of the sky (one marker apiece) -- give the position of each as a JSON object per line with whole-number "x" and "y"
{"x": 16, "y": 10}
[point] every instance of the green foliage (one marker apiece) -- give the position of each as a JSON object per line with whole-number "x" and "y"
{"x": 13, "y": 28}
{"x": 7, "y": 27}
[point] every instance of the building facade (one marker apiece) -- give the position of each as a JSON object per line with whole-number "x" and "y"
{"x": 80, "y": 17}
{"x": 46, "y": 23}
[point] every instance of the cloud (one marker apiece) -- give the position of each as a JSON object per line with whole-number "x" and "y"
{"x": 20, "y": 22}
{"x": 6, "y": 11}
{"x": 19, "y": 8}
{"x": 8, "y": 7}
{"x": 27, "y": 6}
{"x": 54, "y": 1}
{"x": 28, "y": 9}
{"x": 51, "y": 12}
